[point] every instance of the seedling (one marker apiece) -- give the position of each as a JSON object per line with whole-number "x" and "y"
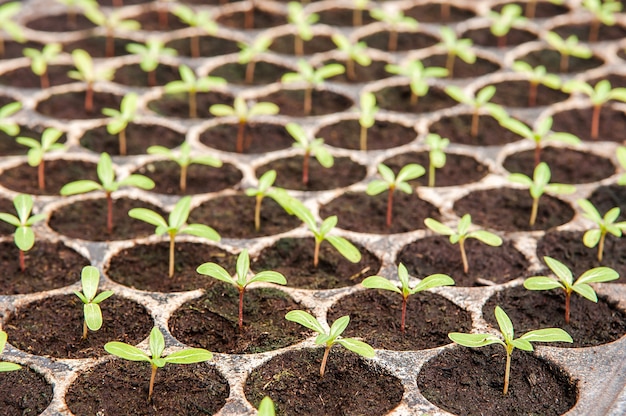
{"x": 621, "y": 158}
{"x": 462, "y": 233}
{"x": 244, "y": 112}
{"x": 111, "y": 23}
{"x": 531, "y": 7}
{"x": 24, "y": 237}
{"x": 6, "y": 366}
{"x": 175, "y": 225}
{"x": 539, "y": 184}
{"x": 354, "y": 52}
{"x": 184, "y": 159}
{"x": 418, "y": 76}
{"x": 302, "y": 21}
{"x": 108, "y": 184}
{"x": 313, "y": 147}
{"x": 503, "y": 22}
{"x": 121, "y": 118}
{"x": 509, "y": 343}
{"x": 536, "y": 76}
{"x": 242, "y": 281}
{"x": 429, "y": 282}
{"x": 605, "y": 225}
{"x": 90, "y": 278}
{"x": 332, "y": 337}
{"x": 248, "y": 55}
{"x": 156, "y": 358}
{"x": 357, "y": 14}
{"x": 265, "y": 189}
{"x": 38, "y": 149}
{"x": 367, "y": 117}
{"x": 599, "y": 95}
{"x": 604, "y": 12}
{"x": 540, "y": 134}
{"x": 567, "y": 47}
{"x": 391, "y": 182}
{"x": 86, "y": 73}
{"x": 11, "y": 128}
{"x": 311, "y": 77}
{"x": 478, "y": 102}
{"x": 455, "y": 47}
{"x": 191, "y": 85}
{"x": 39, "y": 60}
{"x": 565, "y": 280}
{"x": 150, "y": 53}
{"x": 266, "y": 407}
{"x": 436, "y": 155}
{"x": 197, "y": 19}
{"x": 8, "y": 11}
{"x": 396, "y": 20}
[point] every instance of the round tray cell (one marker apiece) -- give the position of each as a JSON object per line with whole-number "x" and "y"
{"x": 65, "y": 22}
{"x": 264, "y": 73}
{"x": 178, "y": 105}
{"x": 138, "y": 138}
{"x": 71, "y": 105}
{"x": 588, "y": 33}
{"x": 100, "y": 46}
{"x": 405, "y": 41}
{"x": 458, "y": 129}
{"x": 578, "y": 122}
{"x": 24, "y": 392}
{"x": 257, "y": 19}
{"x": 287, "y": 45}
{"x": 360, "y": 74}
{"x": 438, "y": 12}
{"x": 132, "y": 75}
{"x": 516, "y": 93}
{"x": 23, "y": 77}
{"x": 342, "y": 16}
{"x": 461, "y": 69}
{"x": 551, "y": 59}
{"x": 259, "y": 137}
{"x": 484, "y": 37}
{"x": 291, "y": 102}
{"x": 58, "y": 172}
{"x": 10, "y": 146}
{"x": 400, "y": 98}
{"x": 159, "y": 20}
{"x": 537, "y": 8}
{"x": 381, "y": 135}
{"x": 208, "y": 46}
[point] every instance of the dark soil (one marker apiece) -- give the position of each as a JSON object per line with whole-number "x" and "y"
{"x": 487, "y": 265}
{"x": 71, "y": 105}
{"x": 264, "y": 72}
{"x": 144, "y": 266}
{"x": 86, "y": 219}
{"x": 149, "y": 21}
{"x": 484, "y": 37}
{"x": 212, "y": 321}
{"x": 515, "y": 94}
{"x": 138, "y": 138}
{"x": 462, "y": 69}
{"x": 551, "y": 59}
{"x": 24, "y": 77}
{"x": 606, "y": 197}
{"x": 581, "y": 31}
{"x": 9, "y": 145}
{"x": 407, "y": 41}
{"x": 232, "y": 216}
{"x": 53, "y": 326}
{"x": 123, "y": 2}
{"x": 374, "y": 71}
{"x": 23, "y": 178}
{"x": 431, "y": 13}
{"x": 341, "y": 16}
{"x": 24, "y": 392}
{"x": 367, "y": 214}
{"x": 398, "y": 98}
{"x": 132, "y": 75}
{"x": 177, "y": 105}
{"x": 467, "y": 381}
{"x": 382, "y": 135}
{"x": 48, "y": 266}
{"x": 120, "y": 387}
{"x": 543, "y": 8}
{"x": 377, "y": 313}
{"x": 578, "y": 122}
{"x": 200, "y": 178}
{"x": 258, "y": 137}
{"x": 96, "y": 46}
{"x": 209, "y": 46}
{"x": 263, "y": 19}
{"x": 293, "y": 257}
{"x": 566, "y": 165}
{"x": 457, "y": 128}
{"x": 291, "y": 102}
{"x": 6, "y": 205}
{"x": 350, "y": 385}
{"x": 285, "y": 44}
{"x": 344, "y": 172}
{"x": 509, "y": 209}
{"x": 14, "y": 49}
{"x": 60, "y": 23}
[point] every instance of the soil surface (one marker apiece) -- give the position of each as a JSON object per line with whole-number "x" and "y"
{"x": 63, "y": 22}
{"x": 462, "y": 69}
{"x": 484, "y": 37}
{"x": 177, "y": 105}
{"x": 578, "y": 122}
{"x": 458, "y": 129}
{"x": 149, "y": 20}
{"x": 515, "y": 94}
{"x": 291, "y": 102}
{"x": 340, "y": 16}
{"x": 6, "y": 205}
{"x": 58, "y": 172}
{"x": 398, "y": 98}
{"x": 286, "y": 44}
{"x": 263, "y": 19}
{"x": 264, "y": 72}
{"x": 209, "y": 46}
{"x": 372, "y": 72}
{"x": 24, "y": 392}
{"x": 96, "y": 46}
{"x": 132, "y": 75}
{"x": 382, "y": 135}
{"x": 432, "y": 13}
{"x": 543, "y": 9}
{"x": 138, "y": 138}
{"x": 551, "y": 59}
{"x": 25, "y": 78}
{"x": 582, "y": 31}
{"x": 407, "y": 41}
{"x": 9, "y": 146}
{"x": 258, "y": 137}
{"x": 606, "y": 197}
{"x": 71, "y": 105}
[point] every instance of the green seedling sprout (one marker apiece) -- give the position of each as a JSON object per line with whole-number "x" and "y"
{"x": 150, "y": 53}
{"x": 198, "y": 19}
{"x": 367, "y": 117}
{"x": 86, "y": 73}
{"x": 536, "y": 76}
{"x": 436, "y": 155}
{"x": 184, "y": 158}
{"x": 90, "y": 278}
{"x": 429, "y": 282}
{"x": 11, "y": 128}
{"x": 455, "y": 47}
{"x": 8, "y": 11}
{"x": 539, "y": 135}
{"x": 418, "y": 76}
{"x": 313, "y": 147}
{"x": 243, "y": 112}
{"x": 539, "y": 184}
{"x": 311, "y": 77}
{"x": 108, "y": 184}
{"x": 503, "y": 22}
{"x": 38, "y": 149}
{"x": 531, "y": 7}
{"x": 605, "y": 225}
{"x": 39, "y": 60}
{"x": 191, "y": 85}
{"x": 242, "y": 281}
{"x": 24, "y": 237}
{"x": 249, "y": 53}
{"x": 395, "y": 19}
{"x": 565, "y": 281}
{"x": 265, "y": 189}
{"x": 266, "y": 407}
{"x": 599, "y": 95}
{"x": 302, "y": 21}
{"x": 75, "y": 6}
{"x": 462, "y": 233}
{"x": 604, "y": 12}
{"x": 508, "y": 341}
{"x": 567, "y": 47}
{"x": 354, "y": 52}
{"x": 332, "y": 337}
{"x": 478, "y": 102}
{"x": 175, "y": 225}
{"x": 156, "y": 358}
{"x": 121, "y": 118}
{"x": 6, "y": 366}
{"x": 621, "y": 158}
{"x": 111, "y": 23}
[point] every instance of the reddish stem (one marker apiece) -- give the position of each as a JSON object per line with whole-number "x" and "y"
{"x": 390, "y": 205}
{"x": 537, "y": 153}
{"x": 595, "y": 121}
{"x": 122, "y": 139}
{"x": 44, "y": 80}
{"x": 152, "y": 377}
{"x": 193, "y": 112}
{"x": 323, "y": 366}
{"x": 89, "y": 98}
{"x": 257, "y": 212}
{"x": 183, "y": 178}
{"x": 109, "y": 47}
{"x": 249, "y": 18}
{"x": 532, "y": 94}
{"x": 240, "y": 136}
{"x": 392, "y": 45}
{"x": 85, "y": 332}
{"x": 474, "y": 128}
{"x": 308, "y": 100}
{"x": 403, "y": 320}
{"x": 501, "y": 41}
{"x": 450, "y": 64}
{"x": 194, "y": 43}
{"x": 250, "y": 71}
{"x": 567, "y": 302}
{"x": 445, "y": 11}
{"x": 109, "y": 212}
{"x": 22, "y": 260}
{"x": 241, "y": 291}
{"x": 152, "y": 80}
{"x": 172, "y": 254}
{"x": 41, "y": 175}
{"x": 316, "y": 253}
{"x": 305, "y": 168}
{"x": 163, "y": 18}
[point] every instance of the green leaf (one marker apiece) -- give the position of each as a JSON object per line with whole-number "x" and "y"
{"x": 542, "y": 283}
{"x": 215, "y": 271}
{"x": 505, "y": 324}
{"x": 560, "y": 270}
{"x": 340, "y": 325}
{"x": 591, "y": 238}
{"x": 24, "y": 238}
{"x": 376, "y": 187}
{"x": 305, "y": 319}
{"x": 547, "y": 335}
{"x": 125, "y": 351}
{"x": 138, "y": 181}
{"x": 157, "y": 342}
{"x": 598, "y": 275}
{"x": 9, "y": 218}
{"x": 189, "y": 356}
{"x": 410, "y": 172}
{"x": 93, "y": 316}
{"x": 386, "y": 173}
{"x": 266, "y": 407}
{"x": 103, "y": 296}
{"x": 328, "y": 224}
{"x": 434, "y": 280}
{"x": 324, "y": 157}
{"x": 346, "y": 248}
{"x": 486, "y": 237}
{"x": 474, "y": 340}
{"x": 520, "y": 178}
{"x": 180, "y": 213}
{"x": 438, "y": 227}
{"x": 522, "y": 344}
{"x": 90, "y": 278}
{"x": 149, "y": 216}
{"x": 201, "y": 230}
{"x": 269, "y": 276}
{"x": 590, "y": 210}
{"x": 457, "y": 94}
{"x": 356, "y": 346}
{"x": 379, "y": 282}
{"x": 585, "y": 291}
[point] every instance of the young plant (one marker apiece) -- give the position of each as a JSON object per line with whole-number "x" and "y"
{"x": 176, "y": 224}
{"x": 121, "y": 118}
{"x": 478, "y": 102}
{"x": 38, "y": 149}
{"x": 191, "y": 85}
{"x": 156, "y": 358}
{"x": 266, "y": 407}
{"x": 184, "y": 159}
{"x": 242, "y": 281}
{"x": 429, "y": 282}
{"x": 150, "y": 53}
{"x": 197, "y": 19}
{"x": 354, "y": 53}
{"x": 312, "y": 78}
{"x": 111, "y": 23}
{"x": 8, "y": 11}
{"x": 243, "y": 112}
{"x": 536, "y": 76}
{"x": 108, "y": 184}
{"x": 508, "y": 341}
{"x": 391, "y": 182}
{"x": 462, "y": 233}
{"x": 567, "y": 47}
{"x": 5, "y": 365}
{"x": 313, "y": 147}
{"x": 331, "y": 337}
{"x": 531, "y": 7}
{"x": 455, "y": 47}
{"x": 302, "y": 21}
{"x": 418, "y": 76}
{"x": 604, "y": 12}
{"x": 599, "y": 95}
{"x": 539, "y": 184}
{"x": 90, "y": 278}
{"x": 436, "y": 155}
{"x": 396, "y": 20}
{"x": 24, "y": 237}
{"x": 248, "y": 55}
{"x": 565, "y": 281}
{"x": 11, "y": 128}
{"x": 259, "y": 193}
{"x": 39, "y": 60}
{"x": 367, "y": 117}
{"x": 503, "y": 22}
{"x": 605, "y": 225}
{"x": 86, "y": 73}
